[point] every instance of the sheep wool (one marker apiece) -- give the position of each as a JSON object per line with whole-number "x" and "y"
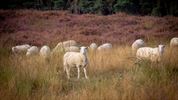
{"x": 153, "y": 54}
{"x": 32, "y": 51}
{"x": 174, "y": 42}
{"x": 93, "y": 46}
{"x": 45, "y": 52}
{"x": 106, "y": 46}
{"x": 137, "y": 44}
{"x": 62, "y": 45}
{"x": 20, "y": 48}
{"x": 75, "y": 59}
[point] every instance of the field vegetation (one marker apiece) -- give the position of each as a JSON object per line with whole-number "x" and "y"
{"x": 113, "y": 75}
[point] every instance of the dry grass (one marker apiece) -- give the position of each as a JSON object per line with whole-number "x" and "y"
{"x": 113, "y": 75}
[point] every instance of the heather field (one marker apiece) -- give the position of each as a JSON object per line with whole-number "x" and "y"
{"x": 113, "y": 75}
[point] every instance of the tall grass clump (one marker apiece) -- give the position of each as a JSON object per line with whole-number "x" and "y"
{"x": 112, "y": 74}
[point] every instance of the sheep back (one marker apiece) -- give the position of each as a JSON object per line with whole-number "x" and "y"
{"x": 74, "y": 58}
{"x": 174, "y": 42}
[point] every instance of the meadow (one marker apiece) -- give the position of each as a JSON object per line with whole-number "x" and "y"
{"x": 112, "y": 75}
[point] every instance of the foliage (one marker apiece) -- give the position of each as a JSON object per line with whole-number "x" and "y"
{"x": 105, "y": 7}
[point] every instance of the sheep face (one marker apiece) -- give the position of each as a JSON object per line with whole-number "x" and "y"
{"x": 83, "y": 50}
{"x": 161, "y": 48}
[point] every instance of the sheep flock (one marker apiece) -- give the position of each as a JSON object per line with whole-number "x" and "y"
{"x": 76, "y": 55}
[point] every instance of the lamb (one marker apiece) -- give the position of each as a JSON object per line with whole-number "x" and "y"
{"x": 153, "y": 54}
{"x": 32, "y": 51}
{"x": 20, "y": 48}
{"x": 106, "y": 46}
{"x": 93, "y": 46}
{"x": 45, "y": 52}
{"x": 137, "y": 44}
{"x": 174, "y": 42}
{"x": 76, "y": 59}
{"x": 61, "y": 45}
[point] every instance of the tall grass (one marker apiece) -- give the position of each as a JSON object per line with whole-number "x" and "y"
{"x": 113, "y": 75}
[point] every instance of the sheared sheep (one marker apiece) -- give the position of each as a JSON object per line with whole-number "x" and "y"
{"x": 106, "y": 46}
{"x": 93, "y": 46}
{"x": 45, "y": 52}
{"x": 20, "y": 48}
{"x": 137, "y": 44}
{"x": 32, "y": 51}
{"x": 153, "y": 54}
{"x": 174, "y": 42}
{"x": 76, "y": 59}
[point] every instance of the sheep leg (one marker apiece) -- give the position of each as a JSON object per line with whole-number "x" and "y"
{"x": 78, "y": 68}
{"x": 68, "y": 72}
{"x": 85, "y": 72}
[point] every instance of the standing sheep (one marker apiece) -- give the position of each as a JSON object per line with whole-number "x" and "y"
{"x": 93, "y": 46}
{"x": 45, "y": 52}
{"x": 20, "y": 48}
{"x": 32, "y": 51}
{"x": 137, "y": 44}
{"x": 76, "y": 59}
{"x": 174, "y": 42}
{"x": 153, "y": 54}
{"x": 106, "y": 46}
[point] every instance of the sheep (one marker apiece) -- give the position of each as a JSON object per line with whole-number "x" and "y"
{"x": 153, "y": 54}
{"x": 61, "y": 45}
{"x": 45, "y": 52}
{"x": 106, "y": 46}
{"x": 72, "y": 49}
{"x": 20, "y": 48}
{"x": 32, "y": 51}
{"x": 93, "y": 46}
{"x": 174, "y": 42}
{"x": 137, "y": 44}
{"x": 76, "y": 59}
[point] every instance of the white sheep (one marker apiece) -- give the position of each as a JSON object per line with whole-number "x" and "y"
{"x": 93, "y": 46}
{"x": 137, "y": 44}
{"x": 153, "y": 54}
{"x": 174, "y": 42}
{"x": 20, "y": 48}
{"x": 61, "y": 45}
{"x": 106, "y": 46}
{"x": 72, "y": 49}
{"x": 45, "y": 52}
{"x": 32, "y": 51}
{"x": 76, "y": 59}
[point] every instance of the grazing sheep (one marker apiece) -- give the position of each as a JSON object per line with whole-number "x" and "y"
{"x": 153, "y": 54}
{"x": 20, "y": 48}
{"x": 137, "y": 44}
{"x": 32, "y": 51}
{"x": 76, "y": 59}
{"x": 93, "y": 46}
{"x": 106, "y": 46}
{"x": 72, "y": 49}
{"x": 45, "y": 52}
{"x": 61, "y": 45}
{"x": 174, "y": 42}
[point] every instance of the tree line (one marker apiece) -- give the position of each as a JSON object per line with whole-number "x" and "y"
{"x": 103, "y": 7}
